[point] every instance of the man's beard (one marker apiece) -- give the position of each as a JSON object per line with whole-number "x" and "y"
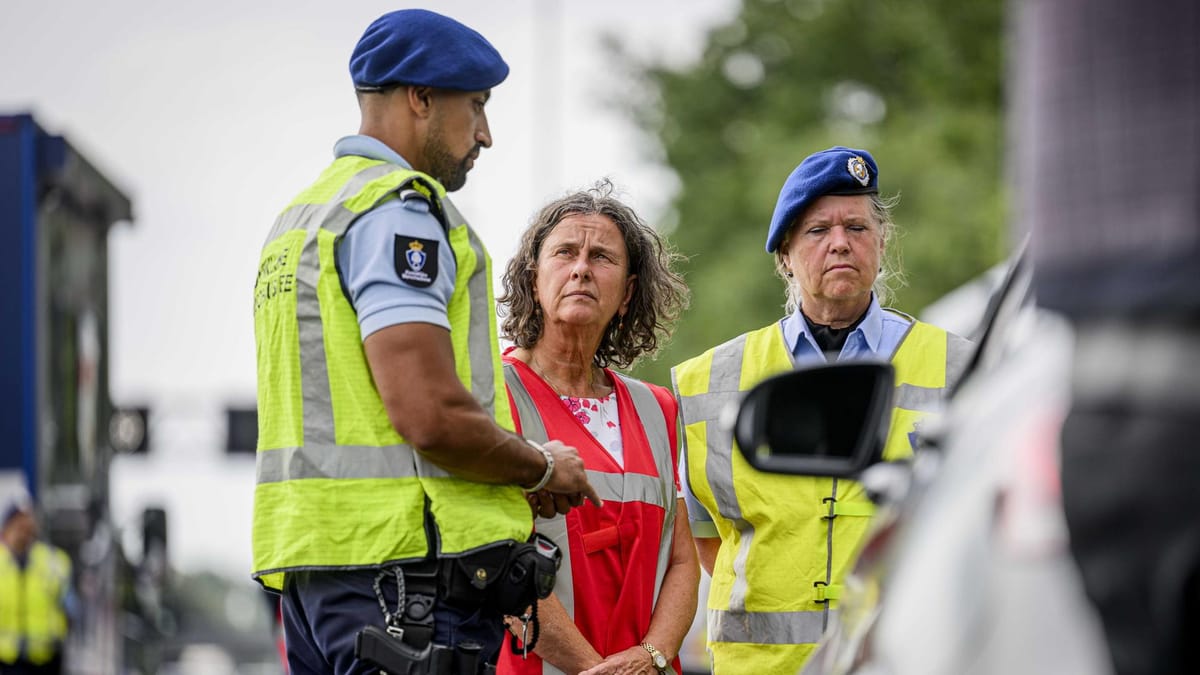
{"x": 449, "y": 170}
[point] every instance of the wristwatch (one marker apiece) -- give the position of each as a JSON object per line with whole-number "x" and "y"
{"x": 656, "y": 657}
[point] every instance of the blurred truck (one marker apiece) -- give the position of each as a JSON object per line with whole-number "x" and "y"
{"x": 58, "y": 427}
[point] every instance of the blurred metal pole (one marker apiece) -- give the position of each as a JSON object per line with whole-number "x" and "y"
{"x": 546, "y": 160}
{"x": 1106, "y": 132}
{"x": 1106, "y": 128}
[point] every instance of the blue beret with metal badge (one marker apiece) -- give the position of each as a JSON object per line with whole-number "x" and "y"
{"x": 836, "y": 171}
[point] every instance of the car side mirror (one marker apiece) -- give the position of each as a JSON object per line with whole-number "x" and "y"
{"x": 829, "y": 420}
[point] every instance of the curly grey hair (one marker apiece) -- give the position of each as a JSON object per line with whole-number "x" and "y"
{"x": 659, "y": 295}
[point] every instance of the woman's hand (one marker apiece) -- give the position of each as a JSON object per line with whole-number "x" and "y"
{"x": 632, "y": 661}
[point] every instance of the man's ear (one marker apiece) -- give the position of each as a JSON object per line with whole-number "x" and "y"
{"x": 420, "y": 100}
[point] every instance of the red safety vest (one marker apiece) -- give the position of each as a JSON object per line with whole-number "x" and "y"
{"x": 614, "y": 557}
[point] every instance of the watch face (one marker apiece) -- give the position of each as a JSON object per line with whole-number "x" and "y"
{"x": 660, "y": 661}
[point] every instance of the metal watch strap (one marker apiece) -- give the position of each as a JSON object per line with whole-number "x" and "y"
{"x": 549, "y": 466}
{"x": 656, "y": 657}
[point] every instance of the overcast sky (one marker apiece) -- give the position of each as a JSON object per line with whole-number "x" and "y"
{"x": 212, "y": 115}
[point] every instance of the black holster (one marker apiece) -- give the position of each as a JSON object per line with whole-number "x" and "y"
{"x": 504, "y": 579}
{"x": 375, "y": 646}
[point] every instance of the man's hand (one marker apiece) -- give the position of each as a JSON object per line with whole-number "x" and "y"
{"x": 546, "y": 504}
{"x": 569, "y": 479}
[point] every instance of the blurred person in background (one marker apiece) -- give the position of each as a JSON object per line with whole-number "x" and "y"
{"x": 35, "y": 582}
{"x": 1106, "y": 123}
{"x": 389, "y": 480}
{"x": 778, "y": 546}
{"x": 592, "y": 286}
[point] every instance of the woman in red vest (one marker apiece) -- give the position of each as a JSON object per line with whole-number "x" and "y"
{"x": 591, "y": 286}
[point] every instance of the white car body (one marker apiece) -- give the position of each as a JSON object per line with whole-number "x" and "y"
{"x": 967, "y": 570}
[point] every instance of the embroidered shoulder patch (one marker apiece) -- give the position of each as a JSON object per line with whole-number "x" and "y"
{"x": 416, "y": 260}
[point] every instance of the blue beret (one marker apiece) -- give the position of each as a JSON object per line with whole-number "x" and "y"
{"x": 836, "y": 171}
{"x": 419, "y": 47}
{"x": 13, "y": 506}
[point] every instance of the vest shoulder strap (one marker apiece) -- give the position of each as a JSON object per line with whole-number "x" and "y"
{"x": 419, "y": 189}
{"x": 662, "y": 396}
{"x": 371, "y": 184}
{"x": 918, "y": 341}
{"x": 892, "y": 310}
{"x": 645, "y": 396}
{"x": 959, "y": 351}
{"x": 931, "y": 356}
{"x": 524, "y": 411}
{"x": 670, "y": 408}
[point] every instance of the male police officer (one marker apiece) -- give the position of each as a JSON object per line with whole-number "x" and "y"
{"x": 389, "y": 479}
{"x": 35, "y": 580}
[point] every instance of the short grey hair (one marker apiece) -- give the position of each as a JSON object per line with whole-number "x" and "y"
{"x": 891, "y": 275}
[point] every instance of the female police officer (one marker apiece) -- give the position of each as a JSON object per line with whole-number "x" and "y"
{"x": 777, "y": 561}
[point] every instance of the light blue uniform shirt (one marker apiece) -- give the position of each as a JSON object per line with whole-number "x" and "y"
{"x": 876, "y": 338}
{"x": 367, "y": 255}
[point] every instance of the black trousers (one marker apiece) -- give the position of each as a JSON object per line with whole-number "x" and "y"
{"x": 324, "y": 611}
{"x": 22, "y": 667}
{"x": 1131, "y": 490}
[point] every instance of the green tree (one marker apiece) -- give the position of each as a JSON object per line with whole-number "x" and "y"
{"x": 916, "y": 82}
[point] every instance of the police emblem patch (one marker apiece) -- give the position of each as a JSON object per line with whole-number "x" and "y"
{"x": 416, "y": 260}
{"x": 858, "y": 168}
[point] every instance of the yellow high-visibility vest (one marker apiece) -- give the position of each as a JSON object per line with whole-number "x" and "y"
{"x": 31, "y": 604}
{"x": 787, "y": 541}
{"x": 338, "y": 487}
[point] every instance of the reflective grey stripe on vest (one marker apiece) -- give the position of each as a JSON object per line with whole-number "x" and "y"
{"x": 959, "y": 351}
{"x": 314, "y": 375}
{"x": 534, "y": 429}
{"x": 911, "y": 396}
{"x": 722, "y": 394}
{"x": 304, "y": 216}
{"x": 317, "y": 415}
{"x": 479, "y": 338}
{"x": 331, "y": 216}
{"x": 920, "y": 399}
{"x": 335, "y": 461}
{"x": 524, "y": 409}
{"x": 658, "y": 436}
{"x": 775, "y": 628}
{"x": 624, "y": 488}
{"x": 932, "y": 399}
